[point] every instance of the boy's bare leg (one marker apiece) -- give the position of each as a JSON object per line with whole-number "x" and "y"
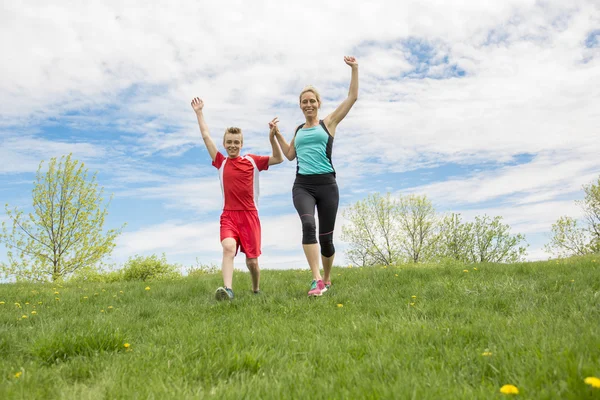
{"x": 252, "y": 264}
{"x": 229, "y": 247}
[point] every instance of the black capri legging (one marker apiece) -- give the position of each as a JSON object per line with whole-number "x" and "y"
{"x": 320, "y": 191}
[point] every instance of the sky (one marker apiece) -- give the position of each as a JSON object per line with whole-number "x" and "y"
{"x": 485, "y": 107}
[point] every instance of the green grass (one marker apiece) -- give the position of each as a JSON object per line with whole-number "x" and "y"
{"x": 362, "y": 339}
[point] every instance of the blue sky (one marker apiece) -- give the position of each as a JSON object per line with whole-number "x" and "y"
{"x": 485, "y": 107}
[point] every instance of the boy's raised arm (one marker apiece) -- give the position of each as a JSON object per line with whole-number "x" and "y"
{"x": 198, "y": 105}
{"x": 277, "y": 157}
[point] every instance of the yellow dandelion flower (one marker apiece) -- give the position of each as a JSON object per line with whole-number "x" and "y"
{"x": 593, "y": 381}
{"x": 509, "y": 389}
{"x": 385, "y": 266}
{"x": 126, "y": 345}
{"x": 474, "y": 269}
{"x": 395, "y": 274}
{"x": 572, "y": 280}
{"x": 26, "y": 303}
{"x": 486, "y": 353}
{"x": 18, "y": 305}
{"x": 24, "y": 316}
{"x": 40, "y": 302}
{"x": 465, "y": 270}
{"x": 413, "y": 296}
{"x": 101, "y": 310}
{"x": 110, "y": 307}
{"x": 1, "y": 303}
{"x": 412, "y": 304}
{"x": 85, "y": 297}
{"x": 147, "y": 287}
{"x": 350, "y": 266}
{"x": 33, "y": 312}
{"x": 120, "y": 291}
{"x": 57, "y": 299}
{"x": 56, "y": 293}
{"x": 340, "y": 305}
{"x": 18, "y": 374}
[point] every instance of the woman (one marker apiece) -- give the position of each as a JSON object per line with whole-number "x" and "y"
{"x": 315, "y": 183}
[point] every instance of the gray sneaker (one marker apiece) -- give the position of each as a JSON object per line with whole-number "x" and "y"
{"x": 224, "y": 293}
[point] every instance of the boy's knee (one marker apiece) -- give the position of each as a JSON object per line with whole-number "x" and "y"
{"x": 229, "y": 249}
{"x": 252, "y": 263}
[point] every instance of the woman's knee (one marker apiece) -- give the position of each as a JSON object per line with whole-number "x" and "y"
{"x": 326, "y": 243}
{"x": 309, "y": 229}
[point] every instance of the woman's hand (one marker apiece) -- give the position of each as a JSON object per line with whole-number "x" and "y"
{"x": 351, "y": 61}
{"x": 273, "y": 127}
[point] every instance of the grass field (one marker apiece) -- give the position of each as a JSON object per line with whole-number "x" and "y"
{"x": 409, "y": 332}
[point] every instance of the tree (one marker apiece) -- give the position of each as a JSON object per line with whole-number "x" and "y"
{"x": 483, "y": 240}
{"x": 492, "y": 242}
{"x": 455, "y": 238}
{"x": 591, "y": 209}
{"x": 64, "y": 232}
{"x": 569, "y": 239}
{"x": 418, "y": 222}
{"x": 372, "y": 231}
{"x": 388, "y": 230}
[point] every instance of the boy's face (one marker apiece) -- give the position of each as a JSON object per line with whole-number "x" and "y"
{"x": 233, "y": 143}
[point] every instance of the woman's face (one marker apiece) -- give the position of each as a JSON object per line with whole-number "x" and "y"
{"x": 309, "y": 104}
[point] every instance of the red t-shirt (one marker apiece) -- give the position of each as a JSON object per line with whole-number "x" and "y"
{"x": 239, "y": 180}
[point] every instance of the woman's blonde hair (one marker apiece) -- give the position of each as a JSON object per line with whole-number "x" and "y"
{"x": 313, "y": 90}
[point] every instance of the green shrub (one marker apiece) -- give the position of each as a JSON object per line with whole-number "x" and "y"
{"x": 144, "y": 268}
{"x": 202, "y": 269}
{"x": 95, "y": 274}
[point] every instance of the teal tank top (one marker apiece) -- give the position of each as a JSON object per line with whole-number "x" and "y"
{"x": 313, "y": 150}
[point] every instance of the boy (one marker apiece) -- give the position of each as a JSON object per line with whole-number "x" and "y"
{"x": 240, "y": 226}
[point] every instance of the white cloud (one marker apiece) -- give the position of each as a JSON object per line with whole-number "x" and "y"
{"x": 173, "y": 237}
{"x": 23, "y": 154}
{"x": 546, "y": 177}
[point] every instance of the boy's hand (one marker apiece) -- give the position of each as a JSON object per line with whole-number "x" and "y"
{"x": 273, "y": 127}
{"x": 197, "y": 104}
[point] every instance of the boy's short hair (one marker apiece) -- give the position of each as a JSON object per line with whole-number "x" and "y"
{"x": 234, "y": 130}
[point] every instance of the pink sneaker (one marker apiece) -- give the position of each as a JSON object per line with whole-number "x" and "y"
{"x": 317, "y": 288}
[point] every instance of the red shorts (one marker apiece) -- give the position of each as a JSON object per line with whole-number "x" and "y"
{"x": 244, "y": 227}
